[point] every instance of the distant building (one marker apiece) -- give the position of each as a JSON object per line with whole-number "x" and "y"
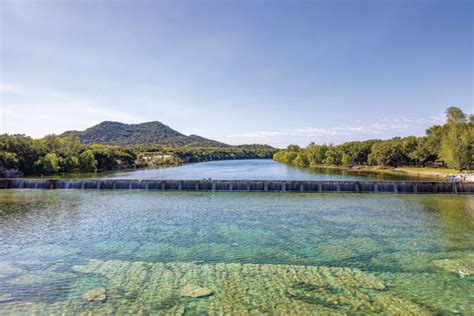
{"x": 155, "y": 156}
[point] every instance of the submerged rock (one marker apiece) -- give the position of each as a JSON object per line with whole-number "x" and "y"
{"x": 463, "y": 267}
{"x": 192, "y": 290}
{"x": 137, "y": 287}
{"x": 95, "y": 295}
{"x": 443, "y": 293}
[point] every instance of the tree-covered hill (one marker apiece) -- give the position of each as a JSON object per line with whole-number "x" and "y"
{"x": 113, "y": 145}
{"x": 149, "y": 133}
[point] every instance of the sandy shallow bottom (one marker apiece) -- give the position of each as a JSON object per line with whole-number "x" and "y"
{"x": 121, "y": 287}
{"x": 118, "y": 253}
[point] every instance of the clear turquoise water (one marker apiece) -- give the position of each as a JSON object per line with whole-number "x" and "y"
{"x": 270, "y": 253}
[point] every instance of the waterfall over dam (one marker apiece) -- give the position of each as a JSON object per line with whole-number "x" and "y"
{"x": 245, "y": 185}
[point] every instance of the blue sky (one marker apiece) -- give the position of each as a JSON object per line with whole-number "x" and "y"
{"x": 275, "y": 72}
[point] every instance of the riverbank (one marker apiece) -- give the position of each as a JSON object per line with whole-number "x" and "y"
{"x": 440, "y": 174}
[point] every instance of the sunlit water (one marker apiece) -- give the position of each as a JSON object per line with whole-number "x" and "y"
{"x": 252, "y": 169}
{"x": 275, "y": 253}
{"x": 249, "y": 169}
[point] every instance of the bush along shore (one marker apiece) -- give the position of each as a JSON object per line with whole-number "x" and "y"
{"x": 21, "y": 155}
{"x": 445, "y": 150}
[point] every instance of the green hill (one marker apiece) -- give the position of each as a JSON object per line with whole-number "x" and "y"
{"x": 149, "y": 133}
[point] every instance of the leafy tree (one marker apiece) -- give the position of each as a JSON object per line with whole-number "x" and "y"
{"x": 126, "y": 157}
{"x": 87, "y": 161}
{"x": 409, "y": 147}
{"x": 457, "y": 146}
{"x": 316, "y": 154}
{"x": 387, "y": 153}
{"x": 293, "y": 148}
{"x": 8, "y": 160}
{"x": 455, "y": 115}
{"x": 301, "y": 159}
{"x": 70, "y": 149}
{"x": 356, "y": 153}
{"x": 20, "y": 147}
{"x": 333, "y": 157}
{"x": 346, "y": 160}
{"x": 422, "y": 154}
{"x": 104, "y": 156}
{"x": 48, "y": 164}
{"x": 70, "y": 163}
{"x": 48, "y": 144}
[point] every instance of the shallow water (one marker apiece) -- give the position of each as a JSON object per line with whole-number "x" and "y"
{"x": 253, "y": 252}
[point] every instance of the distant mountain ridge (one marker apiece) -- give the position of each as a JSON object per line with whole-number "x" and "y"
{"x": 149, "y": 133}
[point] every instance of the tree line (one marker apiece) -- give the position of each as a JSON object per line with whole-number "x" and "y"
{"x": 58, "y": 154}
{"x": 450, "y": 144}
{"x": 53, "y": 154}
{"x": 186, "y": 154}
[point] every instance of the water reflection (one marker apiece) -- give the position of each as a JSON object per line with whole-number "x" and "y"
{"x": 251, "y": 169}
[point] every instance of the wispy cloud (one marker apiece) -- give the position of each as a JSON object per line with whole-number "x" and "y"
{"x": 352, "y": 131}
{"x": 40, "y": 112}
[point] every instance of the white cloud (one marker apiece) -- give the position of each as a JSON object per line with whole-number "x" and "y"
{"x": 38, "y": 113}
{"x": 384, "y": 128}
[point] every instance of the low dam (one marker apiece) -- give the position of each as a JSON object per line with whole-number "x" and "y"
{"x": 245, "y": 185}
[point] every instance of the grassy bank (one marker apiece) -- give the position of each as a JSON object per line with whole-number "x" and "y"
{"x": 415, "y": 172}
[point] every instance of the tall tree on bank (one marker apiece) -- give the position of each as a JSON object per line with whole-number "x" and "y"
{"x": 457, "y": 143}
{"x": 450, "y": 144}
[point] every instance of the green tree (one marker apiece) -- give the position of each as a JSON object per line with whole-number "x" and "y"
{"x": 125, "y": 156}
{"x": 21, "y": 147}
{"x": 70, "y": 163}
{"x": 48, "y": 144}
{"x": 409, "y": 147}
{"x": 291, "y": 153}
{"x": 422, "y": 154}
{"x": 104, "y": 155}
{"x": 333, "y": 157}
{"x": 457, "y": 146}
{"x": 346, "y": 160}
{"x": 301, "y": 159}
{"x": 87, "y": 161}
{"x": 316, "y": 154}
{"x": 8, "y": 160}
{"x": 455, "y": 115}
{"x": 70, "y": 150}
{"x": 50, "y": 163}
{"x": 387, "y": 153}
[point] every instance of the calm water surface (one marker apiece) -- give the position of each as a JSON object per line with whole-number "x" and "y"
{"x": 252, "y": 252}
{"x": 252, "y": 169}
